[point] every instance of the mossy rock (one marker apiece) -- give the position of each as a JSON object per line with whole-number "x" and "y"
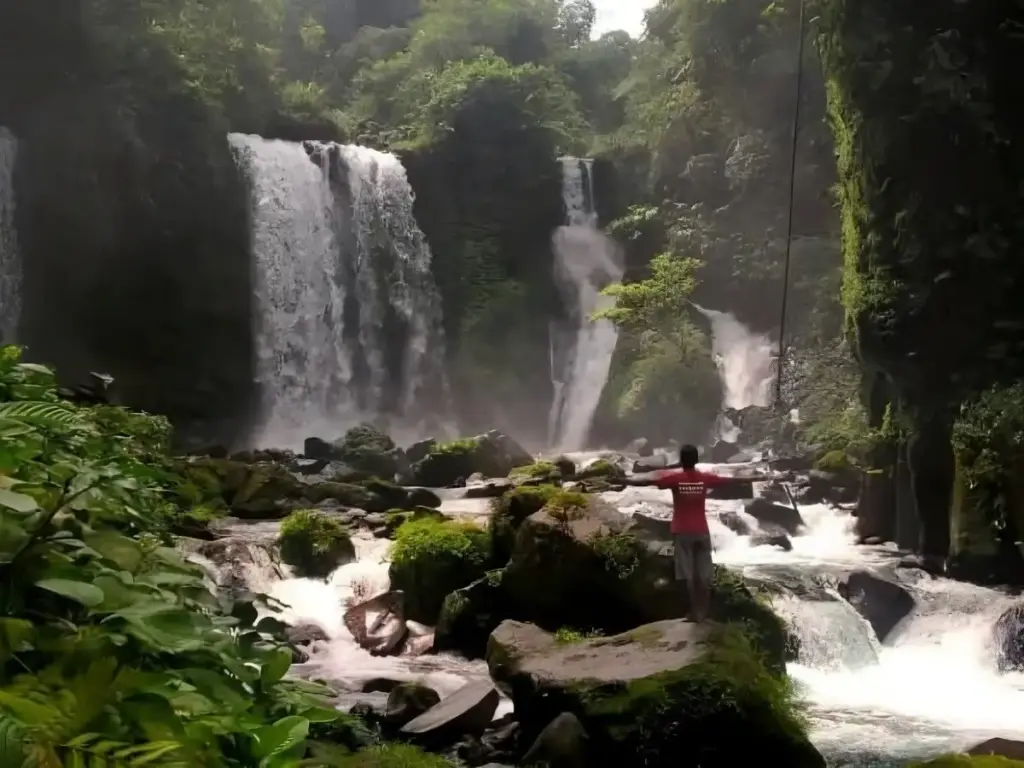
{"x": 396, "y": 518}
{"x": 601, "y": 469}
{"x": 255, "y": 491}
{"x": 469, "y": 616}
{"x": 539, "y": 470}
{"x": 566, "y": 551}
{"x": 314, "y": 543}
{"x": 508, "y": 512}
{"x": 834, "y": 461}
{"x": 656, "y": 692}
{"x": 394, "y": 756}
{"x": 432, "y": 558}
{"x": 492, "y": 455}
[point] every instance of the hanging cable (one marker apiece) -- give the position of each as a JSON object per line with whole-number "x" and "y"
{"x": 789, "y": 224}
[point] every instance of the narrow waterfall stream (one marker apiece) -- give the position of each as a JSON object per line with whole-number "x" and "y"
{"x": 348, "y": 319}
{"x": 10, "y": 260}
{"x": 585, "y": 262}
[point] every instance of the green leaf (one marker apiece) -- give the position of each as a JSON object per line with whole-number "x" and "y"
{"x": 12, "y": 744}
{"x": 13, "y": 538}
{"x": 117, "y": 548}
{"x": 86, "y": 594}
{"x": 19, "y": 502}
{"x": 274, "y": 739}
{"x": 275, "y": 667}
{"x": 15, "y": 635}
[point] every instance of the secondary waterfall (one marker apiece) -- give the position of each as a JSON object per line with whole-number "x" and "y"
{"x": 10, "y": 260}
{"x": 348, "y": 319}
{"x": 585, "y": 262}
{"x": 744, "y": 360}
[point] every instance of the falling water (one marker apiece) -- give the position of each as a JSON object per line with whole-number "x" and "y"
{"x": 348, "y": 319}
{"x": 585, "y": 262}
{"x": 10, "y": 263}
{"x": 744, "y": 360}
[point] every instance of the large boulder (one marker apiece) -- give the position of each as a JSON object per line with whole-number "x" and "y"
{"x": 880, "y": 599}
{"x": 784, "y": 516}
{"x": 492, "y": 455}
{"x": 254, "y": 491}
{"x": 469, "y": 615}
{"x": 364, "y": 448}
{"x": 1008, "y": 639}
{"x": 657, "y": 692}
{"x": 579, "y": 547}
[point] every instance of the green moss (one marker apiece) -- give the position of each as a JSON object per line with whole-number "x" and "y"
{"x": 314, "y": 543}
{"x": 508, "y": 512}
{"x": 394, "y": 756}
{"x": 432, "y": 558}
{"x": 834, "y": 461}
{"x": 701, "y": 707}
{"x": 568, "y": 635}
{"x": 539, "y": 469}
{"x": 601, "y": 469}
{"x": 447, "y": 463}
{"x": 622, "y": 553}
{"x": 366, "y": 449}
{"x": 469, "y": 615}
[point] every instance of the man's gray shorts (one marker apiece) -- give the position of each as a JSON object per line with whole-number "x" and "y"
{"x": 692, "y": 553}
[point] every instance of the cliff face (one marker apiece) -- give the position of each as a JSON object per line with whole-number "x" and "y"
{"x": 924, "y": 108}
{"x": 131, "y": 219}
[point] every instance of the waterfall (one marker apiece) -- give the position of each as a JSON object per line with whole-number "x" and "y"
{"x": 348, "y": 319}
{"x": 744, "y": 360}
{"x": 10, "y": 261}
{"x": 585, "y": 262}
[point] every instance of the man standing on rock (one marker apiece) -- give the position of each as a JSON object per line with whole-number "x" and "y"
{"x": 691, "y": 538}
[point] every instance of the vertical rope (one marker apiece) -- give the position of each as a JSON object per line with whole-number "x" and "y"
{"x": 789, "y": 223}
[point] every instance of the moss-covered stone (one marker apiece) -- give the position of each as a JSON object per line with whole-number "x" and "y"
{"x": 264, "y": 491}
{"x": 314, "y": 543}
{"x": 568, "y": 550}
{"x": 432, "y": 558}
{"x": 601, "y": 469}
{"x": 469, "y": 615}
{"x": 364, "y": 448}
{"x": 492, "y": 455}
{"x": 508, "y": 512}
{"x": 539, "y": 470}
{"x": 661, "y": 690}
{"x": 394, "y": 756}
{"x": 396, "y": 518}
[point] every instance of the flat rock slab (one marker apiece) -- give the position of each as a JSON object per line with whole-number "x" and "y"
{"x": 468, "y": 710}
{"x": 642, "y": 652}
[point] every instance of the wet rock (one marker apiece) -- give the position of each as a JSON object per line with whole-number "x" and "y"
{"x": 493, "y": 454}
{"x": 1008, "y": 639}
{"x": 320, "y": 450}
{"x": 732, "y": 492}
{"x": 881, "y": 600}
{"x": 407, "y": 701}
{"x": 655, "y": 462}
{"x": 467, "y": 712}
{"x": 469, "y": 615}
{"x": 419, "y": 450}
{"x": 562, "y": 552}
{"x": 721, "y": 451}
{"x": 1012, "y": 750}
{"x": 771, "y": 538}
{"x": 641, "y": 447}
{"x": 380, "y": 685}
{"x": 776, "y": 493}
{"x": 378, "y": 624}
{"x": 563, "y": 743}
{"x": 565, "y": 466}
{"x": 602, "y": 469}
{"x": 240, "y": 562}
{"x": 734, "y": 522}
{"x": 652, "y": 528}
{"x": 649, "y": 695}
{"x": 311, "y": 466}
{"x": 490, "y": 490}
{"x": 303, "y": 637}
{"x": 783, "y": 516}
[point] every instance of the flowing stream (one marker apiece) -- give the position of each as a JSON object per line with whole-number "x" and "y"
{"x": 348, "y": 324}
{"x": 10, "y": 260}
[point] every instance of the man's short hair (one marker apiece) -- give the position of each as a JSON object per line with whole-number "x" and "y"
{"x": 688, "y": 456}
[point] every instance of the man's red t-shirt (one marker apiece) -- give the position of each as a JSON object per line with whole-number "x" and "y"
{"x": 689, "y": 490}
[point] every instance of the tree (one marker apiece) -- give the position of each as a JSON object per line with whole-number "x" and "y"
{"x": 576, "y": 21}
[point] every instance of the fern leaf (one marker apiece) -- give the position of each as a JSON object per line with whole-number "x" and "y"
{"x": 50, "y": 415}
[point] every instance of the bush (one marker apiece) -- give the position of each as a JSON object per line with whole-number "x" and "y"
{"x": 431, "y": 558}
{"x": 112, "y": 643}
{"x": 314, "y": 543}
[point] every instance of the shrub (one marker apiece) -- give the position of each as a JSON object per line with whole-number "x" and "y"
{"x": 431, "y": 558}
{"x": 113, "y": 650}
{"x": 314, "y": 543}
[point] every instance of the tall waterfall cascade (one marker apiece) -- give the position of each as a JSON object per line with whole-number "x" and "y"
{"x": 10, "y": 259}
{"x": 745, "y": 360}
{"x": 348, "y": 318}
{"x": 581, "y": 350}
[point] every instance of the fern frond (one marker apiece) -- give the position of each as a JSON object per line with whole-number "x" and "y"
{"x": 92, "y": 750}
{"x": 42, "y": 414}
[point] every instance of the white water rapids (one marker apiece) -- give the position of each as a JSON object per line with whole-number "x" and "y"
{"x": 932, "y": 688}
